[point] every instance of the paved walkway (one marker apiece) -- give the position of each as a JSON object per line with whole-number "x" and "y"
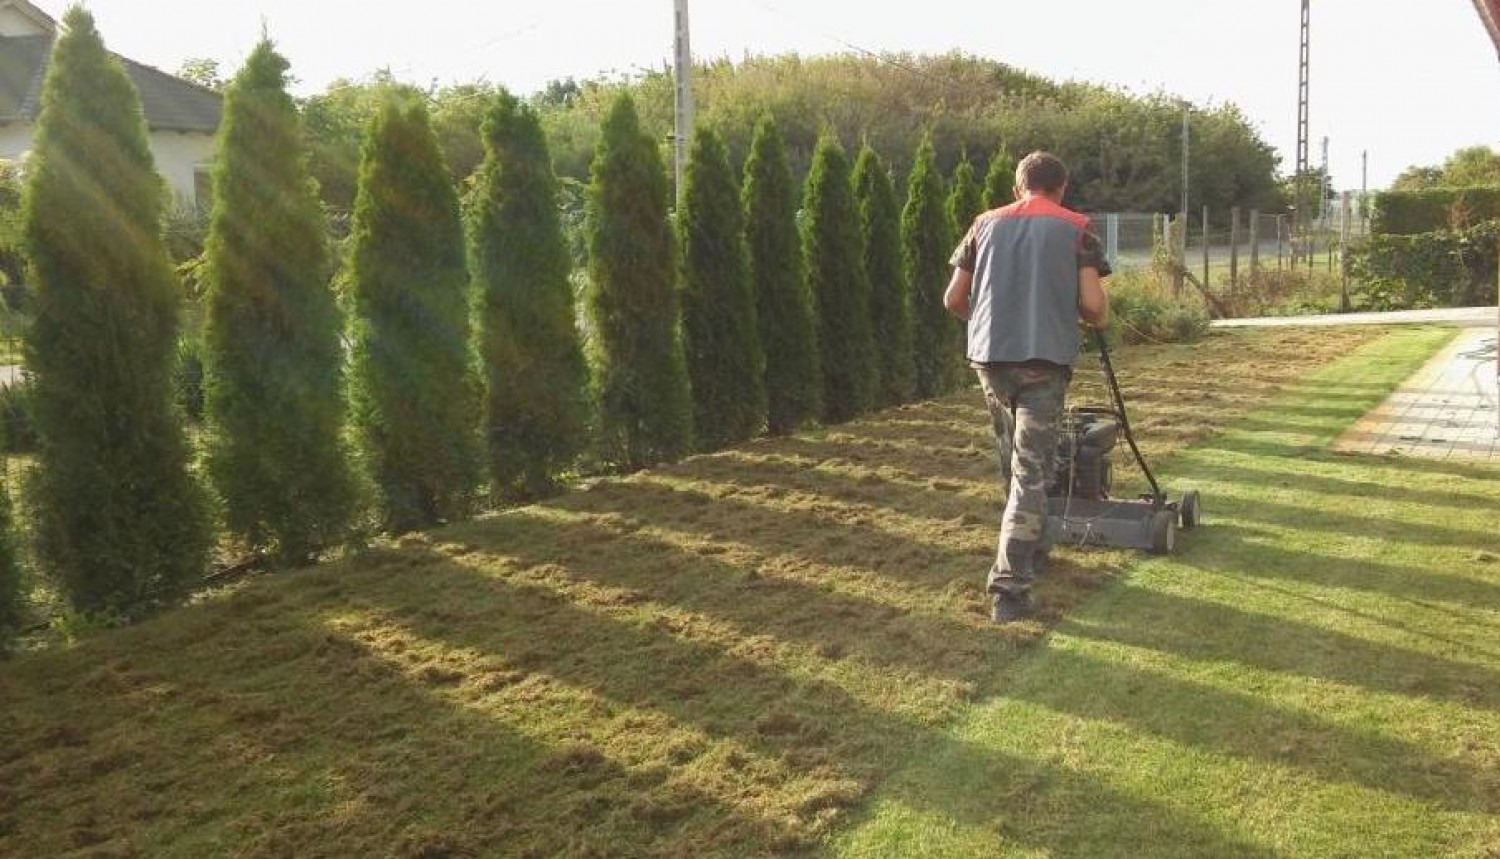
{"x": 1463, "y": 316}
{"x": 1449, "y": 410}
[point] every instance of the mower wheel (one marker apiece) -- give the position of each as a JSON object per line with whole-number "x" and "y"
{"x": 1191, "y": 510}
{"x": 1163, "y": 532}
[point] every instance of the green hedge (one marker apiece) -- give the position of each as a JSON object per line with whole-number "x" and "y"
{"x": 1438, "y": 269}
{"x": 1410, "y": 213}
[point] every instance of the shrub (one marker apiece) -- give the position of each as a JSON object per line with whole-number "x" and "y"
{"x": 1000, "y": 180}
{"x": 1409, "y": 213}
{"x": 927, "y": 242}
{"x": 535, "y": 406}
{"x": 17, "y": 426}
{"x": 890, "y": 306}
{"x": 834, "y": 251}
{"x": 12, "y": 597}
{"x": 272, "y": 370}
{"x": 783, "y": 307}
{"x": 720, "y": 333}
{"x": 965, "y": 197}
{"x": 1439, "y": 269}
{"x": 118, "y": 520}
{"x": 645, "y": 404}
{"x": 413, "y": 394}
{"x": 1143, "y": 310}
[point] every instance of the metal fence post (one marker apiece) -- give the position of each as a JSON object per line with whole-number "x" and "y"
{"x": 1254, "y": 244}
{"x": 1112, "y": 237}
{"x": 1205, "y": 248}
{"x": 1234, "y": 249}
{"x": 1344, "y": 253}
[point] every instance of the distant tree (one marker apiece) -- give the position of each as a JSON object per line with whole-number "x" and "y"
{"x": 118, "y": 520}
{"x": 834, "y": 250}
{"x": 1472, "y": 166}
{"x": 645, "y": 404}
{"x": 890, "y": 305}
{"x": 1000, "y": 181}
{"x": 12, "y": 600}
{"x": 927, "y": 242}
{"x": 788, "y": 332}
{"x": 535, "y": 408}
{"x": 965, "y": 197}
{"x": 414, "y": 397}
{"x": 273, "y": 358}
{"x": 202, "y": 71}
{"x": 720, "y": 333}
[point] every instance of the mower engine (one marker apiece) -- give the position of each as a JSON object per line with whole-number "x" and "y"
{"x": 1083, "y": 468}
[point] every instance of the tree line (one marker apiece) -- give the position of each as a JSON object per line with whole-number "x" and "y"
{"x": 448, "y": 349}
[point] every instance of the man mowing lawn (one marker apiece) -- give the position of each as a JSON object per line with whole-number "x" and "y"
{"x": 1022, "y": 278}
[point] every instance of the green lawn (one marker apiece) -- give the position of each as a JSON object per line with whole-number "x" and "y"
{"x": 783, "y": 649}
{"x": 1317, "y": 673}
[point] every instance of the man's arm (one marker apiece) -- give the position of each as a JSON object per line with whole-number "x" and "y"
{"x": 1093, "y": 302}
{"x": 956, "y": 299}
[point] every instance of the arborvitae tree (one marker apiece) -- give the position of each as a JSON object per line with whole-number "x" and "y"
{"x": 645, "y": 404}
{"x": 1000, "y": 181}
{"x": 834, "y": 251}
{"x": 118, "y": 519}
{"x": 414, "y": 395}
{"x": 273, "y": 360}
{"x": 965, "y": 197}
{"x": 788, "y": 332}
{"x": 12, "y": 604}
{"x": 890, "y": 306}
{"x": 535, "y": 409}
{"x": 720, "y": 334}
{"x": 927, "y": 243}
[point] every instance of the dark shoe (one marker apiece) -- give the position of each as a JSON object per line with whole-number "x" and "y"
{"x": 1011, "y": 606}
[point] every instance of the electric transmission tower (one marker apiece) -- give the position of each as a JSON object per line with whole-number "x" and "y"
{"x": 684, "y": 85}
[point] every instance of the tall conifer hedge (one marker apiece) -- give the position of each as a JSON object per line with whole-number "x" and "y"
{"x": 784, "y": 310}
{"x": 645, "y": 403}
{"x": 118, "y": 519}
{"x": 414, "y": 396}
{"x": 12, "y": 602}
{"x": 720, "y": 334}
{"x": 890, "y": 306}
{"x": 927, "y": 243}
{"x": 1000, "y": 181}
{"x": 834, "y": 250}
{"x": 535, "y": 407}
{"x": 965, "y": 197}
{"x": 274, "y": 362}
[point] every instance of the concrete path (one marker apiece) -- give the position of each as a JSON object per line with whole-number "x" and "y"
{"x": 1463, "y": 316}
{"x": 1449, "y": 410}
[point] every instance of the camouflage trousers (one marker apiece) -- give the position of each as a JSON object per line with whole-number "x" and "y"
{"x": 1026, "y": 405}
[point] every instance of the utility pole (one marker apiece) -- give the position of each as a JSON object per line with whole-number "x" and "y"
{"x": 683, "y": 77}
{"x": 1187, "y": 145}
{"x": 1325, "y": 189}
{"x": 1300, "y": 210}
{"x": 1364, "y": 192}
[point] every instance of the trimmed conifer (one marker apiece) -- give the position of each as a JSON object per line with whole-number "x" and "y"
{"x": 834, "y": 251}
{"x": 890, "y": 306}
{"x": 273, "y": 360}
{"x": 784, "y": 310}
{"x": 927, "y": 244}
{"x": 645, "y": 403}
{"x": 535, "y": 406}
{"x": 12, "y": 602}
{"x": 414, "y": 396}
{"x": 965, "y": 197}
{"x": 119, "y": 521}
{"x": 1000, "y": 181}
{"x": 720, "y": 334}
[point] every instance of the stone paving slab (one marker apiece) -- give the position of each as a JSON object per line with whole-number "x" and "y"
{"x": 1449, "y": 410}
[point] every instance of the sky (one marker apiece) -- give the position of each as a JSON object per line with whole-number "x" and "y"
{"x": 1408, "y": 82}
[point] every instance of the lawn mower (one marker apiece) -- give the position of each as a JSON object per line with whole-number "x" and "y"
{"x": 1079, "y": 507}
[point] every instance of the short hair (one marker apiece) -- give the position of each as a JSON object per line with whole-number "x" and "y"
{"x": 1041, "y": 172}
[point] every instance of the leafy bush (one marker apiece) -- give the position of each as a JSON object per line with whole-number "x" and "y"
{"x": 1410, "y": 213}
{"x": 1143, "y": 310}
{"x": 187, "y": 379}
{"x": 1439, "y": 269}
{"x": 17, "y": 427}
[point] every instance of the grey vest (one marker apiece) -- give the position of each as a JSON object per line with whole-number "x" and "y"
{"x": 1024, "y": 300}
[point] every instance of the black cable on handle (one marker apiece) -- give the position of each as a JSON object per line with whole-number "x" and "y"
{"x": 1114, "y": 389}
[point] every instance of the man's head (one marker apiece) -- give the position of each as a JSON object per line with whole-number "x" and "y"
{"x": 1042, "y": 174}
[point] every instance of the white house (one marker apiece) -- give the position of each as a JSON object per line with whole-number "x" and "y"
{"x": 183, "y": 117}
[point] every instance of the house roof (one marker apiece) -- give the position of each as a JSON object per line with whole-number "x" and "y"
{"x": 170, "y": 103}
{"x": 1489, "y": 12}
